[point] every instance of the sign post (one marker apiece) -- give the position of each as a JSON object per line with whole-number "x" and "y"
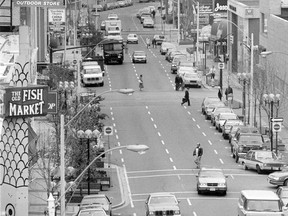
{"x": 221, "y": 67}
{"x": 276, "y": 128}
{"x": 108, "y": 131}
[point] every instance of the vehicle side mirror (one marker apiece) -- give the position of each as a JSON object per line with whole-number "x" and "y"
{"x": 178, "y": 201}
{"x": 284, "y": 208}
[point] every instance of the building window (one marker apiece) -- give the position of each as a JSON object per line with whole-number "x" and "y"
{"x": 264, "y": 23}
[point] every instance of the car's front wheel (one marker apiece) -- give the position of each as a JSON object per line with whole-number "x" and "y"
{"x": 258, "y": 169}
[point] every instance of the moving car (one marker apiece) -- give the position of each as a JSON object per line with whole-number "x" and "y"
{"x": 192, "y": 79}
{"x": 144, "y": 15}
{"x": 242, "y": 143}
{"x": 279, "y": 178}
{"x": 182, "y": 70}
{"x": 211, "y": 180}
{"x": 148, "y": 22}
{"x": 206, "y": 101}
{"x": 282, "y": 192}
{"x": 227, "y": 126}
{"x": 261, "y": 160}
{"x": 101, "y": 200}
{"x": 132, "y": 38}
{"x": 165, "y": 46}
{"x": 162, "y": 204}
{"x": 159, "y": 39}
{"x": 113, "y": 17}
{"x": 222, "y": 117}
{"x": 92, "y": 74}
{"x": 139, "y": 56}
{"x": 260, "y": 202}
{"x": 92, "y": 212}
{"x": 175, "y": 61}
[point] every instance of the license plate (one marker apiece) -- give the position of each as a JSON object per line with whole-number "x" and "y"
{"x": 212, "y": 189}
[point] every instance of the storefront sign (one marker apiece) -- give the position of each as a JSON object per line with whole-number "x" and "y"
{"x": 220, "y": 6}
{"x": 56, "y": 19}
{"x": 26, "y": 101}
{"x": 205, "y": 9}
{"x": 39, "y": 3}
{"x": 233, "y": 8}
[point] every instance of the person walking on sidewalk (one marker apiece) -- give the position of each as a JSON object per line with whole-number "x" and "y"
{"x": 212, "y": 72}
{"x": 186, "y": 97}
{"x": 220, "y": 94}
{"x": 197, "y": 153}
{"x": 148, "y": 42}
{"x": 153, "y": 43}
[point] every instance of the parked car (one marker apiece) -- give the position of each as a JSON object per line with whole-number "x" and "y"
{"x": 279, "y": 178}
{"x": 261, "y": 160}
{"x": 148, "y": 22}
{"x": 227, "y": 126}
{"x": 121, "y": 3}
{"x": 282, "y": 192}
{"x": 165, "y": 46}
{"x": 175, "y": 61}
{"x": 242, "y": 129}
{"x": 113, "y": 17}
{"x": 192, "y": 79}
{"x": 182, "y": 70}
{"x": 144, "y": 15}
{"x": 210, "y": 107}
{"x": 103, "y": 25}
{"x": 260, "y": 202}
{"x": 218, "y": 110}
{"x": 170, "y": 56}
{"x": 242, "y": 143}
{"x": 206, "y": 101}
{"x": 100, "y": 200}
{"x": 211, "y": 180}
{"x": 139, "y": 56}
{"x": 186, "y": 63}
{"x": 159, "y": 39}
{"x": 132, "y": 38}
{"x": 162, "y": 204}
{"x": 222, "y": 117}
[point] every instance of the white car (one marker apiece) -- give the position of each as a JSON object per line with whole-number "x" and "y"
{"x": 132, "y": 38}
{"x": 165, "y": 46}
{"x": 148, "y": 23}
{"x": 92, "y": 75}
{"x": 192, "y": 79}
{"x": 222, "y": 117}
{"x": 182, "y": 70}
{"x": 113, "y": 17}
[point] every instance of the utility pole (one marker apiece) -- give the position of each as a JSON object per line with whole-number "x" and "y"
{"x": 178, "y": 21}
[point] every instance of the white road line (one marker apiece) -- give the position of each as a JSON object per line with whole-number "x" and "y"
{"x": 149, "y": 113}
{"x": 171, "y": 159}
{"x": 162, "y": 142}
{"x": 111, "y": 113}
{"x": 232, "y": 176}
{"x": 209, "y": 142}
{"x": 179, "y": 177}
{"x": 193, "y": 119}
{"x": 120, "y": 151}
{"x": 111, "y": 108}
{"x": 211, "y": 127}
{"x": 216, "y": 133}
{"x": 118, "y": 144}
{"x": 146, "y": 107}
{"x": 114, "y": 125}
{"x": 115, "y": 130}
{"x": 221, "y": 161}
{"x": 167, "y": 151}
{"x": 194, "y": 213}
{"x": 159, "y": 134}
{"x": 152, "y": 119}
{"x": 128, "y": 187}
{"x": 117, "y": 136}
{"x": 155, "y": 126}
{"x": 215, "y": 151}
{"x": 189, "y": 113}
{"x": 198, "y": 126}
{"x": 134, "y": 214}
{"x": 203, "y": 134}
{"x": 112, "y": 118}
{"x": 188, "y": 200}
{"x": 174, "y": 167}
{"x": 122, "y": 159}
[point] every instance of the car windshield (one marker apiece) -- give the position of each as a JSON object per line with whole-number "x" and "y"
{"x": 263, "y": 205}
{"x": 139, "y": 54}
{"x": 191, "y": 75}
{"x": 94, "y": 201}
{"x": 211, "y": 173}
{"x": 251, "y": 139}
{"x": 92, "y": 212}
{"x": 92, "y": 71}
{"x": 163, "y": 199}
{"x": 224, "y": 117}
{"x": 284, "y": 194}
{"x": 266, "y": 155}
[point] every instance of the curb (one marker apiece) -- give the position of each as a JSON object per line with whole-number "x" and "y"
{"x": 122, "y": 190}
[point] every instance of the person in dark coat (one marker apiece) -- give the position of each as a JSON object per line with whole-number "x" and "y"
{"x": 177, "y": 81}
{"x": 186, "y": 98}
{"x": 220, "y": 94}
{"x": 229, "y": 92}
{"x": 198, "y": 152}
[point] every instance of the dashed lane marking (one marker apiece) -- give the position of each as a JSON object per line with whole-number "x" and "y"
{"x": 122, "y": 159}
{"x": 159, "y": 134}
{"x": 188, "y": 200}
{"x": 167, "y": 151}
{"x": 162, "y": 141}
{"x": 116, "y": 136}
{"x": 171, "y": 160}
{"x": 149, "y": 113}
{"x": 221, "y": 161}
{"x": 152, "y": 119}
{"x": 189, "y": 113}
{"x": 118, "y": 143}
{"x": 174, "y": 168}
{"x": 114, "y": 125}
{"x": 155, "y": 126}
{"x": 198, "y": 126}
{"x": 204, "y": 134}
{"x": 120, "y": 151}
{"x": 215, "y": 151}
{"x": 112, "y": 118}
{"x": 115, "y": 130}
{"x": 209, "y": 142}
{"x": 193, "y": 119}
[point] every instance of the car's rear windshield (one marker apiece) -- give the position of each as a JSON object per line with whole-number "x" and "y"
{"x": 209, "y": 173}
{"x": 251, "y": 139}
{"x": 263, "y": 205}
{"x": 224, "y": 117}
{"x": 163, "y": 199}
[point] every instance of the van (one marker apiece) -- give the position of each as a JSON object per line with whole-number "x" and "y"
{"x": 260, "y": 202}
{"x": 92, "y": 74}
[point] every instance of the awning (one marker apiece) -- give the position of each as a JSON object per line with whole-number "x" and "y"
{"x": 219, "y": 30}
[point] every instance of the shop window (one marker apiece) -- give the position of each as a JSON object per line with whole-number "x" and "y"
{"x": 264, "y": 23}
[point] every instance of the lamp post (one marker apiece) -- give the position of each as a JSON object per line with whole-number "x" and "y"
{"x": 270, "y": 101}
{"x": 134, "y": 148}
{"x": 245, "y": 78}
{"x": 62, "y": 142}
{"x": 88, "y": 135}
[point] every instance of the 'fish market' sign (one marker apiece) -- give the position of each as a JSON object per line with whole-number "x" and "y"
{"x": 26, "y": 101}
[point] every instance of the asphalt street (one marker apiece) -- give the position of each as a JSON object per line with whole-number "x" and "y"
{"x": 154, "y": 117}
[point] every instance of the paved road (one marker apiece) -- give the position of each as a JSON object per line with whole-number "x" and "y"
{"x": 155, "y": 117}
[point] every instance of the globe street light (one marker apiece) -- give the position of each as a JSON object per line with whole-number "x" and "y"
{"x": 62, "y": 141}
{"x": 270, "y": 101}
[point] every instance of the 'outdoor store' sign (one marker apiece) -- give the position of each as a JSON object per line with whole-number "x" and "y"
{"x": 26, "y": 101}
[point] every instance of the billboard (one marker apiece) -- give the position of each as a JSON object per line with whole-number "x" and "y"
{"x": 39, "y": 3}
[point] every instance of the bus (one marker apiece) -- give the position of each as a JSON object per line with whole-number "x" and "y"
{"x": 113, "y": 50}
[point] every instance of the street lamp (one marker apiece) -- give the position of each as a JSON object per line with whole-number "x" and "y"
{"x": 244, "y": 77}
{"x": 270, "y": 101}
{"x": 134, "y": 148}
{"x": 88, "y": 135}
{"x": 62, "y": 141}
